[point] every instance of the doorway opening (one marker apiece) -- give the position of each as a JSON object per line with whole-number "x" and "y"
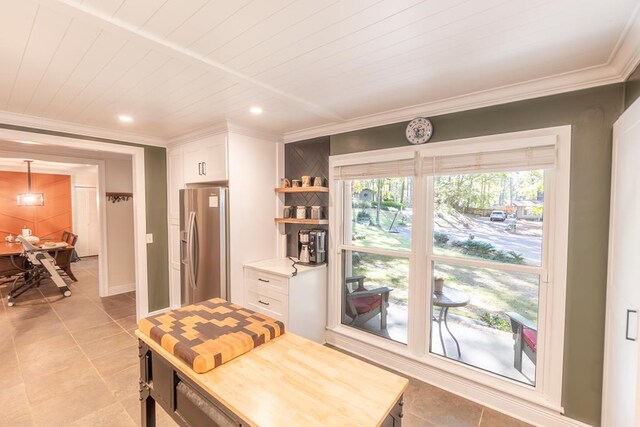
{"x": 120, "y": 265}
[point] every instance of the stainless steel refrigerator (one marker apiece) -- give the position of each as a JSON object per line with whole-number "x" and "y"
{"x": 203, "y": 244}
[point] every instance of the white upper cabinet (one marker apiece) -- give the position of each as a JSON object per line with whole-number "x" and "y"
{"x": 205, "y": 160}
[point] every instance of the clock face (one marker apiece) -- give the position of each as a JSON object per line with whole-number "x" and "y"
{"x": 419, "y": 130}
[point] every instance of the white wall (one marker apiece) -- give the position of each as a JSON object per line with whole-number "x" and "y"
{"x": 85, "y": 177}
{"x": 253, "y": 174}
{"x": 120, "y": 246}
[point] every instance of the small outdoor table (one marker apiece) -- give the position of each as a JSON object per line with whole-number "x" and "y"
{"x": 449, "y": 298}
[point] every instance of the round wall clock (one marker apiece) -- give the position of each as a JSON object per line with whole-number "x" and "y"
{"x": 419, "y": 130}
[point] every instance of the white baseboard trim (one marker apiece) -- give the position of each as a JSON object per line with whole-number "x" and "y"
{"x": 486, "y": 396}
{"x": 120, "y": 289}
{"x": 162, "y": 310}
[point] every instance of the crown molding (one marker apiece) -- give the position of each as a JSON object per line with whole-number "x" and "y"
{"x": 223, "y": 127}
{"x": 625, "y": 56}
{"x": 561, "y": 83}
{"x": 35, "y": 122}
{"x": 215, "y": 129}
{"x": 253, "y": 133}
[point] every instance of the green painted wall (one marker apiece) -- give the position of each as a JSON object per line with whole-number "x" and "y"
{"x": 632, "y": 88}
{"x": 155, "y": 167}
{"x": 591, "y": 113}
{"x": 156, "y": 205}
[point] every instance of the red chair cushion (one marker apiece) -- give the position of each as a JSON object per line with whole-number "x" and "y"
{"x": 367, "y": 303}
{"x": 530, "y": 338}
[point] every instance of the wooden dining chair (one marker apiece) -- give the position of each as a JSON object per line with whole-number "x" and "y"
{"x": 65, "y": 236}
{"x": 71, "y": 238}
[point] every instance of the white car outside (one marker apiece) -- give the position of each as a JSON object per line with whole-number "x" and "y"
{"x": 498, "y": 216}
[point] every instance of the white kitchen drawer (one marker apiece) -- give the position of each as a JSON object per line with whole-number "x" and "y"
{"x": 299, "y": 301}
{"x": 268, "y": 305}
{"x": 266, "y": 283}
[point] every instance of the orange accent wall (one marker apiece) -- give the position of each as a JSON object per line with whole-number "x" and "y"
{"x": 49, "y": 220}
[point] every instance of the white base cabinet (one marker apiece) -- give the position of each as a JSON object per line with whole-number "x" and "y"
{"x": 299, "y": 301}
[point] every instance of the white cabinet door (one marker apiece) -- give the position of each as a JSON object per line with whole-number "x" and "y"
{"x": 620, "y": 388}
{"x": 206, "y": 160}
{"x": 193, "y": 163}
{"x": 215, "y": 158}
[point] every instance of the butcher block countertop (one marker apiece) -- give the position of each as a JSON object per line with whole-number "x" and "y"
{"x": 291, "y": 381}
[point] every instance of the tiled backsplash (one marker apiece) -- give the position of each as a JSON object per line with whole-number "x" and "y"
{"x": 310, "y": 157}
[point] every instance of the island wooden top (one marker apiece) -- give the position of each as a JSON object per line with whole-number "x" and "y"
{"x": 291, "y": 381}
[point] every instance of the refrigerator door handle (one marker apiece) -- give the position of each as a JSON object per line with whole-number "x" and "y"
{"x": 190, "y": 249}
{"x": 196, "y": 251}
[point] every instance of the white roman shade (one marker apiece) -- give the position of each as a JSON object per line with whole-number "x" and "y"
{"x": 539, "y": 157}
{"x": 394, "y": 168}
{"x": 526, "y": 158}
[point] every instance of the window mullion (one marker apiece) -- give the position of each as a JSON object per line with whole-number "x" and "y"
{"x": 375, "y": 250}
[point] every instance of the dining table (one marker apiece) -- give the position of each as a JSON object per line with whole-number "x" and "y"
{"x": 15, "y": 248}
{"x": 10, "y": 248}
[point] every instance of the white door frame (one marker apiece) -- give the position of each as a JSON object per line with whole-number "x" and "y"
{"x": 139, "y": 198}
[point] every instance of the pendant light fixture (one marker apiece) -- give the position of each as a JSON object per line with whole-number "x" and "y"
{"x": 29, "y": 198}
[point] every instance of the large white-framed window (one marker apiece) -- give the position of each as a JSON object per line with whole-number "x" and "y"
{"x": 524, "y": 177}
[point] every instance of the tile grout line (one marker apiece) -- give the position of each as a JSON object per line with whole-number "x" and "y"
{"x": 481, "y": 414}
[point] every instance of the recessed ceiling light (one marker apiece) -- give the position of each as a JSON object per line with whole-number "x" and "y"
{"x": 125, "y": 118}
{"x": 255, "y": 110}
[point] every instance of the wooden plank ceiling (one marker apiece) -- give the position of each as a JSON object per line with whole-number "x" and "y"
{"x": 177, "y": 66}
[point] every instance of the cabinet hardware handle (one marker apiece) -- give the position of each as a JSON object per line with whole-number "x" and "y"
{"x": 626, "y": 335}
{"x": 199, "y": 168}
{"x": 204, "y": 168}
{"x": 262, "y": 302}
{"x": 263, "y": 280}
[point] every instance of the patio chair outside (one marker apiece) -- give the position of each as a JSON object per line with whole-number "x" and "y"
{"x": 362, "y": 304}
{"x": 525, "y": 334}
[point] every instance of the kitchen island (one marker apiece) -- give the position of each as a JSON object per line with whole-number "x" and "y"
{"x": 289, "y": 381}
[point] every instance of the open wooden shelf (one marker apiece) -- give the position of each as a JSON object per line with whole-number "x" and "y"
{"x": 301, "y": 221}
{"x": 302, "y": 190}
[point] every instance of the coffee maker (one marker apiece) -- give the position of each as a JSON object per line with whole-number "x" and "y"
{"x": 303, "y": 247}
{"x": 312, "y": 246}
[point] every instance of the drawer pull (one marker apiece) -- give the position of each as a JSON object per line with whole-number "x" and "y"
{"x": 262, "y": 302}
{"x": 263, "y": 280}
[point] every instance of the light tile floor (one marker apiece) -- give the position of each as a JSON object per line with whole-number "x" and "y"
{"x": 73, "y": 362}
